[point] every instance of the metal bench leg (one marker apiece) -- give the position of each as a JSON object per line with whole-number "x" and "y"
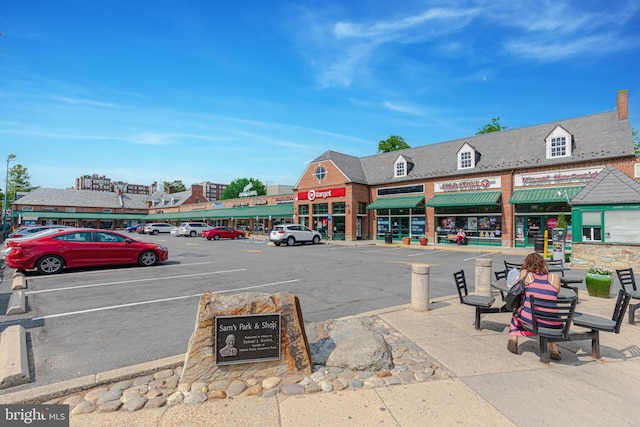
{"x": 478, "y": 312}
{"x": 595, "y": 344}
{"x": 632, "y": 313}
{"x": 544, "y": 350}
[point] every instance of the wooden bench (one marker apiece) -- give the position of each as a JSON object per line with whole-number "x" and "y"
{"x": 452, "y": 238}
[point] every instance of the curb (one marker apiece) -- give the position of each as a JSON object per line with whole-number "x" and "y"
{"x": 39, "y": 395}
{"x": 18, "y": 282}
{"x": 14, "y": 365}
{"x": 17, "y": 303}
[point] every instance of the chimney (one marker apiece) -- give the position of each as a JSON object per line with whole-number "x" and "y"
{"x": 623, "y": 104}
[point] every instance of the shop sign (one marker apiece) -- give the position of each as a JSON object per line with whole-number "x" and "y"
{"x": 569, "y": 176}
{"x": 247, "y": 191}
{"x": 240, "y": 204}
{"x": 45, "y": 208}
{"x": 217, "y": 205}
{"x": 383, "y": 225}
{"x": 199, "y": 208}
{"x": 417, "y": 226}
{"x": 322, "y": 194}
{"x": 27, "y": 208}
{"x": 468, "y": 184}
{"x": 284, "y": 199}
{"x": 259, "y": 202}
{"x": 70, "y": 209}
{"x": 243, "y": 339}
{"x": 105, "y": 210}
{"x": 552, "y": 222}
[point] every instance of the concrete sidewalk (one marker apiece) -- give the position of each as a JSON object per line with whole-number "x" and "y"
{"x": 491, "y": 386}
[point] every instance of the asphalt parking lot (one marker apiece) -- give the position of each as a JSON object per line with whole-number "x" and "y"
{"x": 86, "y": 321}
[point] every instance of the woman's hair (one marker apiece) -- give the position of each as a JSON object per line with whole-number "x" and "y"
{"x": 535, "y": 264}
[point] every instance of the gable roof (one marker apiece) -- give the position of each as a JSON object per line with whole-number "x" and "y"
{"x": 600, "y": 136}
{"x": 83, "y": 199}
{"x": 610, "y": 186}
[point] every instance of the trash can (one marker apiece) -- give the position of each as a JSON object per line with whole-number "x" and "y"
{"x": 387, "y": 237}
{"x": 539, "y": 243}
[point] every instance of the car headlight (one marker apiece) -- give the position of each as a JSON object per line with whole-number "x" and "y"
{"x": 163, "y": 248}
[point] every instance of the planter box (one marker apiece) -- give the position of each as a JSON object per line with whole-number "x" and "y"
{"x": 406, "y": 240}
{"x": 598, "y": 285}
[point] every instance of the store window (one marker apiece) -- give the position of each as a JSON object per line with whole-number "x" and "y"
{"x": 592, "y": 226}
{"x": 339, "y": 208}
{"x": 465, "y": 160}
{"x": 320, "y": 173}
{"x": 401, "y": 168}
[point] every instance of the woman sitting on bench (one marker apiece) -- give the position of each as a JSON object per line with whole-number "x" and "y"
{"x": 461, "y": 237}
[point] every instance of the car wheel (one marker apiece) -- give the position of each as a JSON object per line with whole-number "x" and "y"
{"x": 316, "y": 240}
{"x": 148, "y": 258}
{"x": 193, "y": 234}
{"x": 216, "y": 237}
{"x": 208, "y": 237}
{"x": 154, "y": 232}
{"x": 240, "y": 236}
{"x": 291, "y": 241}
{"x": 276, "y": 243}
{"x": 50, "y": 264}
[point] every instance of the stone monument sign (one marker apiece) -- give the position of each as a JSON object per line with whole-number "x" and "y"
{"x": 228, "y": 326}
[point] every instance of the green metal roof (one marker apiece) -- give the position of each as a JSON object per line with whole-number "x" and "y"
{"x": 476, "y": 198}
{"x": 79, "y": 215}
{"x": 544, "y": 195}
{"x": 396, "y": 202}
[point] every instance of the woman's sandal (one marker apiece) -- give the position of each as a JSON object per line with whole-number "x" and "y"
{"x": 555, "y": 355}
{"x": 512, "y": 346}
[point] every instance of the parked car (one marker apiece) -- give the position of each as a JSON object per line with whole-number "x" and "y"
{"x": 132, "y": 228}
{"x": 191, "y": 229}
{"x": 292, "y": 234}
{"x": 30, "y": 229}
{"x": 157, "y": 227}
{"x": 140, "y": 228}
{"x": 82, "y": 247}
{"x": 217, "y": 233}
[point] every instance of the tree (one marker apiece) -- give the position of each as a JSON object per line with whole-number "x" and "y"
{"x": 176, "y": 185}
{"x": 19, "y": 180}
{"x": 393, "y": 143}
{"x": 243, "y": 185}
{"x": 636, "y": 140}
{"x": 494, "y": 126}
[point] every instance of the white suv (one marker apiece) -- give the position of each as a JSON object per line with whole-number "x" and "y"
{"x": 191, "y": 229}
{"x": 157, "y": 227}
{"x": 292, "y": 234}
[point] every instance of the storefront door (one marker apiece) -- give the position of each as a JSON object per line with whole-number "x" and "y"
{"x": 400, "y": 227}
{"x": 534, "y": 228}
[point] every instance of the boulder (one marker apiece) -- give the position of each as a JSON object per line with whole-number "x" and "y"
{"x": 200, "y": 363}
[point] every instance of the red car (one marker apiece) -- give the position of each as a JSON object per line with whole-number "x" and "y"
{"x": 217, "y": 233}
{"x": 81, "y": 247}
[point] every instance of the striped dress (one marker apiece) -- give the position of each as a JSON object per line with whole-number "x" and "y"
{"x": 540, "y": 287}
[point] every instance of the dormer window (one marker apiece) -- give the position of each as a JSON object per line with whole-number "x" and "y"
{"x": 402, "y": 166}
{"x": 558, "y": 143}
{"x": 466, "y": 157}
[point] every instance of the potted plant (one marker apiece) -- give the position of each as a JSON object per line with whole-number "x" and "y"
{"x": 406, "y": 240}
{"x": 423, "y": 240}
{"x": 598, "y": 281}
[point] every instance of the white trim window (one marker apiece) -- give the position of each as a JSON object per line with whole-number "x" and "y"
{"x": 466, "y": 157}
{"x": 558, "y": 143}
{"x": 401, "y": 168}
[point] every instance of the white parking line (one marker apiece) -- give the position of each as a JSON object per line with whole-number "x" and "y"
{"x": 53, "y": 276}
{"x": 133, "y": 304}
{"x": 479, "y": 256}
{"x": 133, "y": 281}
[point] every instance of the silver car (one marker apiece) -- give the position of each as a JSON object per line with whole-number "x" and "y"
{"x": 292, "y": 234}
{"x": 157, "y": 227}
{"x": 191, "y": 229}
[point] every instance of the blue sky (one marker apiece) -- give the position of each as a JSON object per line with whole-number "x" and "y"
{"x": 145, "y": 91}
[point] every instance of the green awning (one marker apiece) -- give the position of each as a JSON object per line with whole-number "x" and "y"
{"x": 477, "y": 198}
{"x": 403, "y": 202}
{"x": 544, "y": 195}
{"x": 284, "y": 210}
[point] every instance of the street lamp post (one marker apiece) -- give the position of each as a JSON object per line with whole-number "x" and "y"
{"x": 6, "y": 194}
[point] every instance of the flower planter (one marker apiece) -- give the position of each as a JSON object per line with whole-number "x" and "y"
{"x": 423, "y": 241}
{"x": 406, "y": 240}
{"x": 598, "y": 285}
